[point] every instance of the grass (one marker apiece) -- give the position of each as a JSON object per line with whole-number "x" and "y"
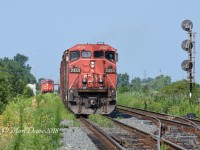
{"x": 176, "y": 105}
{"x": 101, "y": 120}
{"x": 33, "y": 123}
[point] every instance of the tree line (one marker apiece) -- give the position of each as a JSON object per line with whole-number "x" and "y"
{"x": 161, "y": 85}
{"x": 138, "y": 84}
{"x": 15, "y": 74}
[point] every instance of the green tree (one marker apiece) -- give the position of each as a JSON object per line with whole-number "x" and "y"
{"x": 14, "y": 76}
{"x": 27, "y": 77}
{"x": 176, "y": 88}
{"x": 159, "y": 82}
{"x": 147, "y": 80}
{"x": 21, "y": 59}
{"x": 136, "y": 84}
{"x": 27, "y": 92}
{"x": 123, "y": 83}
{"x": 4, "y": 87}
{"x": 123, "y": 79}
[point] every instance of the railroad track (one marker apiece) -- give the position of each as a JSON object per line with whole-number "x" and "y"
{"x": 130, "y": 138}
{"x": 137, "y": 138}
{"x": 176, "y": 132}
{"x": 106, "y": 139}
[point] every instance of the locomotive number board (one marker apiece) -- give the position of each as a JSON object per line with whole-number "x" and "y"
{"x": 110, "y": 70}
{"x": 75, "y": 70}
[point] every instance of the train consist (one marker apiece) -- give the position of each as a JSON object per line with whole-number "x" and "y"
{"x": 47, "y": 85}
{"x": 88, "y": 78}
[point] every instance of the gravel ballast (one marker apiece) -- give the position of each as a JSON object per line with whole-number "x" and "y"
{"x": 75, "y": 138}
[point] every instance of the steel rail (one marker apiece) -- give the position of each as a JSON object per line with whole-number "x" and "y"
{"x": 151, "y": 139}
{"x": 131, "y": 111}
{"x": 104, "y": 137}
{"x": 171, "y": 145}
{"x": 165, "y": 117}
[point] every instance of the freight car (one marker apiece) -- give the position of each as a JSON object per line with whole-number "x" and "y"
{"x": 88, "y": 78}
{"x": 47, "y": 85}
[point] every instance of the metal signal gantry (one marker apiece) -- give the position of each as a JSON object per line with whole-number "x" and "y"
{"x": 189, "y": 46}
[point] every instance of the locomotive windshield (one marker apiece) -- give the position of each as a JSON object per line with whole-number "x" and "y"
{"x": 86, "y": 54}
{"x": 50, "y": 82}
{"x": 74, "y": 55}
{"x": 98, "y": 54}
{"x": 110, "y": 55}
{"x": 43, "y": 82}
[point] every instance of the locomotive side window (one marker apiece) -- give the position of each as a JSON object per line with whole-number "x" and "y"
{"x": 110, "y": 55}
{"x": 117, "y": 57}
{"x": 86, "y": 54}
{"x": 98, "y": 54}
{"x": 74, "y": 55}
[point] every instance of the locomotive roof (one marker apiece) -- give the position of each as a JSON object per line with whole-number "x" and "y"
{"x": 92, "y": 47}
{"x": 47, "y": 80}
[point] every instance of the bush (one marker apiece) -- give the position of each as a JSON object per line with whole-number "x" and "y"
{"x": 122, "y": 89}
{"x": 27, "y": 92}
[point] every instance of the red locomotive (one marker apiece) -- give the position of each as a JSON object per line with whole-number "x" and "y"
{"x": 88, "y": 78}
{"x": 47, "y": 85}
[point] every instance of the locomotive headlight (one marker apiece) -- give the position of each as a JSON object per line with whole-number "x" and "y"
{"x": 84, "y": 81}
{"x": 92, "y": 64}
{"x": 113, "y": 92}
{"x": 101, "y": 81}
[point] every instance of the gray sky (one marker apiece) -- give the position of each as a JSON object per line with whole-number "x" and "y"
{"x": 146, "y": 33}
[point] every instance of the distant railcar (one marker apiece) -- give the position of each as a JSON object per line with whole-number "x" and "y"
{"x": 47, "y": 85}
{"x": 88, "y": 78}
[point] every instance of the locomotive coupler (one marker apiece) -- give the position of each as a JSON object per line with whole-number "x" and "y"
{"x": 94, "y": 102}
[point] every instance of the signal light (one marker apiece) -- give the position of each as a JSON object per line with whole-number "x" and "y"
{"x": 186, "y": 65}
{"x": 187, "y": 25}
{"x": 187, "y": 45}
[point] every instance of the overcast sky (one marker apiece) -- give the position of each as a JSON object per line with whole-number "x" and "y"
{"x": 146, "y": 33}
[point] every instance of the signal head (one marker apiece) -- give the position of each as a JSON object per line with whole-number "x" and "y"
{"x": 187, "y": 25}
{"x": 186, "y": 65}
{"x": 187, "y": 45}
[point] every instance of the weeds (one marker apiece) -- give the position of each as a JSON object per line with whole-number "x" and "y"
{"x": 33, "y": 123}
{"x": 101, "y": 120}
{"x": 173, "y": 104}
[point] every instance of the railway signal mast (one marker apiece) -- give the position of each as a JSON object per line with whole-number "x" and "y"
{"x": 189, "y": 46}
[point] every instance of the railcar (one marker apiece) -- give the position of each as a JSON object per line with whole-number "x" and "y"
{"x": 47, "y": 85}
{"x": 88, "y": 78}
